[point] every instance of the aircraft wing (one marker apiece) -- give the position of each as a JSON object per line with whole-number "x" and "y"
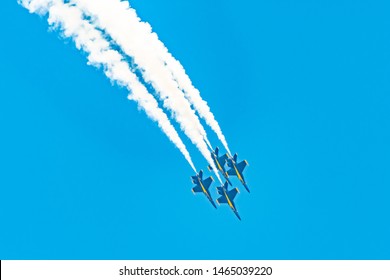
{"x": 232, "y": 172}
{"x": 232, "y": 193}
{"x": 222, "y": 159}
{"x": 197, "y": 189}
{"x": 241, "y": 166}
{"x": 207, "y": 182}
{"x": 222, "y": 200}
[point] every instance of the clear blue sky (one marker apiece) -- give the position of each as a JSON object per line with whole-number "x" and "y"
{"x": 301, "y": 90}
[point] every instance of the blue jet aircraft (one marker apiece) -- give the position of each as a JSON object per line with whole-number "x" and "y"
{"x": 220, "y": 162}
{"x": 202, "y": 186}
{"x": 227, "y": 196}
{"x": 236, "y": 169}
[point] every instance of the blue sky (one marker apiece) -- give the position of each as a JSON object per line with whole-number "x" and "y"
{"x": 300, "y": 89}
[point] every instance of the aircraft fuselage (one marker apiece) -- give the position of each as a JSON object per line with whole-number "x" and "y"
{"x": 206, "y": 192}
{"x": 239, "y": 174}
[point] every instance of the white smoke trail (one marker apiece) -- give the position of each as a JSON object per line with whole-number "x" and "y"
{"x": 69, "y": 19}
{"x": 192, "y": 93}
{"x": 122, "y": 25}
{"x": 179, "y": 74}
{"x": 177, "y": 71}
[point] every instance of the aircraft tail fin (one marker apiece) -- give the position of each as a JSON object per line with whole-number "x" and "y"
{"x": 197, "y": 189}
{"x": 225, "y": 186}
{"x": 231, "y": 171}
{"x": 222, "y": 159}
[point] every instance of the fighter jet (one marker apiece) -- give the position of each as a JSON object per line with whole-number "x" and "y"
{"x": 227, "y": 196}
{"x": 202, "y": 186}
{"x": 236, "y": 169}
{"x": 220, "y": 163}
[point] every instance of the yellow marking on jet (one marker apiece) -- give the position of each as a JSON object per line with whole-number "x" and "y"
{"x": 228, "y": 200}
{"x": 218, "y": 165}
{"x": 203, "y": 188}
{"x": 238, "y": 174}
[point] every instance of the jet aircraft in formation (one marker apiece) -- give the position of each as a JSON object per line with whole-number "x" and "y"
{"x": 202, "y": 186}
{"x": 237, "y": 169}
{"x": 219, "y": 162}
{"x": 226, "y": 196}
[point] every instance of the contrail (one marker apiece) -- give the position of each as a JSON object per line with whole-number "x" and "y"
{"x": 70, "y": 20}
{"x": 143, "y": 34}
{"x": 179, "y": 75}
{"x": 192, "y": 93}
{"x": 120, "y": 22}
